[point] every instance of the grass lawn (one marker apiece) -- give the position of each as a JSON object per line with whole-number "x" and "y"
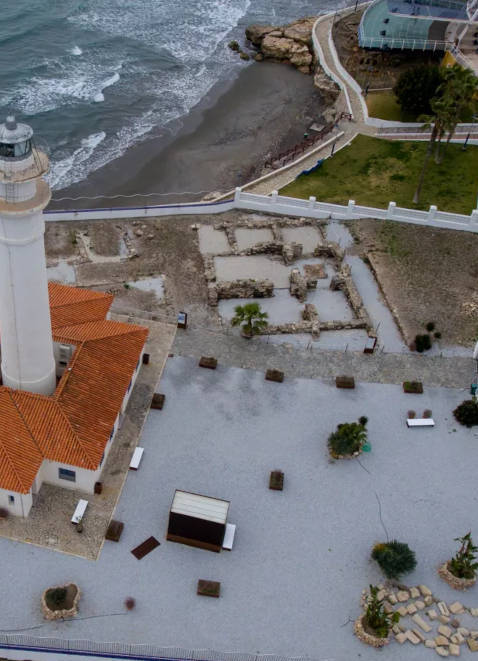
{"x": 384, "y": 105}
{"x": 374, "y": 172}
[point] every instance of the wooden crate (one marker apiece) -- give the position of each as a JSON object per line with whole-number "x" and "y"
{"x": 209, "y": 588}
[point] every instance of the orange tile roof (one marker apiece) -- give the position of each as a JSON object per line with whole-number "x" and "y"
{"x": 73, "y": 425}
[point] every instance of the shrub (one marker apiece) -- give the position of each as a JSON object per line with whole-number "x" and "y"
{"x": 57, "y": 597}
{"x": 363, "y": 420}
{"x": 348, "y": 439}
{"x": 394, "y": 558}
{"x": 413, "y": 387}
{"x": 250, "y": 317}
{"x": 411, "y": 415}
{"x": 463, "y": 565}
{"x": 375, "y": 616}
{"x": 467, "y": 413}
{"x": 430, "y": 326}
{"x": 129, "y": 603}
{"x": 423, "y": 342}
{"x": 437, "y": 335}
{"x": 416, "y": 87}
{"x": 427, "y": 413}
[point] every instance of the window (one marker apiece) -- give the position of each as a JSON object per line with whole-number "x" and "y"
{"x": 65, "y": 474}
{"x": 11, "y": 499}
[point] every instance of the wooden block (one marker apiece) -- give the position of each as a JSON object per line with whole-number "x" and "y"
{"x": 345, "y": 382}
{"x": 208, "y": 361}
{"x": 275, "y": 375}
{"x": 114, "y": 531}
{"x": 276, "y": 480}
{"x": 158, "y": 401}
{"x": 209, "y": 588}
{"x": 146, "y": 547}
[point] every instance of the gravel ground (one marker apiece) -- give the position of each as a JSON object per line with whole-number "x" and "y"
{"x": 292, "y": 583}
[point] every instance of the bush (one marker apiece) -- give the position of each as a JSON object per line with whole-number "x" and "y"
{"x": 427, "y": 413}
{"x": 348, "y": 439}
{"x": 394, "y": 558}
{"x": 423, "y": 343}
{"x": 411, "y": 415}
{"x": 467, "y": 413}
{"x": 430, "y": 326}
{"x": 129, "y": 603}
{"x": 416, "y": 87}
{"x": 463, "y": 565}
{"x": 375, "y": 616}
{"x": 57, "y": 597}
{"x": 437, "y": 335}
{"x": 413, "y": 387}
{"x": 363, "y": 420}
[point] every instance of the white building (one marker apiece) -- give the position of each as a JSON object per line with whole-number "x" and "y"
{"x": 67, "y": 369}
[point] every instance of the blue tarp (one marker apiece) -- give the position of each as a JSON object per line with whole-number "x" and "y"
{"x": 312, "y": 169}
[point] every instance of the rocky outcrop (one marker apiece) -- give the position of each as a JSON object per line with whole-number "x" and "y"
{"x": 328, "y": 88}
{"x": 292, "y": 43}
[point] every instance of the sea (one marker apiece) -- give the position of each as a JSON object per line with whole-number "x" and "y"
{"x": 95, "y": 77}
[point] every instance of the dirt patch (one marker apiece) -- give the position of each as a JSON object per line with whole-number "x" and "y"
{"x": 375, "y": 68}
{"x": 426, "y": 274}
{"x": 60, "y": 240}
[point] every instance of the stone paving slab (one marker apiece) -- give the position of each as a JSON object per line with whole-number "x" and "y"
{"x": 231, "y": 350}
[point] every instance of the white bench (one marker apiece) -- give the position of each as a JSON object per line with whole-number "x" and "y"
{"x": 229, "y": 536}
{"x": 80, "y": 511}
{"x": 136, "y": 458}
{"x": 420, "y": 422}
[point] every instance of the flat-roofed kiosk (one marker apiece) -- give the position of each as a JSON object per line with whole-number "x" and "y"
{"x": 27, "y": 359}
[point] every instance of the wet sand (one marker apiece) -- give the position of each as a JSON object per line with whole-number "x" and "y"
{"x": 222, "y": 143}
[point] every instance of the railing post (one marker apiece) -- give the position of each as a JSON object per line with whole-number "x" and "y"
{"x": 391, "y": 210}
{"x": 474, "y": 216}
{"x": 237, "y": 194}
{"x": 432, "y": 213}
{"x": 274, "y": 196}
{"x": 312, "y": 201}
{"x": 350, "y": 209}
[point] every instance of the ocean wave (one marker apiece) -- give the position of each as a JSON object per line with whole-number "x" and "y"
{"x": 76, "y": 50}
{"x": 61, "y": 169}
{"x": 99, "y": 97}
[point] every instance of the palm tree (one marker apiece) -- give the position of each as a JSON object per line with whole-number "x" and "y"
{"x": 460, "y": 85}
{"x": 251, "y": 317}
{"x": 439, "y": 122}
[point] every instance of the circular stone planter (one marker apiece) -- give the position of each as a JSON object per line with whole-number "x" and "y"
{"x": 345, "y": 456}
{"x": 453, "y": 581}
{"x": 366, "y": 637}
{"x": 68, "y": 609}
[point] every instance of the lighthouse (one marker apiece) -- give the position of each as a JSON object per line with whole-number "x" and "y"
{"x": 27, "y": 360}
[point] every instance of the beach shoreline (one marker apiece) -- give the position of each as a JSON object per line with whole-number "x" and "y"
{"x": 221, "y": 143}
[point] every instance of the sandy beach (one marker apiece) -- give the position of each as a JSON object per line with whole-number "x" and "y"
{"x": 222, "y": 143}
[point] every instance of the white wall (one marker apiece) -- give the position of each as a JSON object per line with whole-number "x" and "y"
{"x": 20, "y": 507}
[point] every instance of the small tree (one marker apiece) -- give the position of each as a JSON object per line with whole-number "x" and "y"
{"x": 348, "y": 439}
{"x": 375, "y": 616}
{"x": 416, "y": 87}
{"x": 251, "y": 317}
{"x": 467, "y": 412}
{"x": 394, "y": 558}
{"x": 463, "y": 565}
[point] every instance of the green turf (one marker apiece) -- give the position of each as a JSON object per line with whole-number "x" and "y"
{"x": 374, "y": 172}
{"x": 384, "y": 105}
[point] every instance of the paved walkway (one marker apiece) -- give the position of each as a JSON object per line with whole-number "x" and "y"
{"x": 235, "y": 351}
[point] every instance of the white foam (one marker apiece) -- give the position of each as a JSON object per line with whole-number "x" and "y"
{"x": 61, "y": 169}
{"x": 76, "y": 50}
{"x": 98, "y": 98}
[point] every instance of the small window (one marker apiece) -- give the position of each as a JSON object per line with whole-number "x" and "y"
{"x": 11, "y": 499}
{"x": 65, "y": 474}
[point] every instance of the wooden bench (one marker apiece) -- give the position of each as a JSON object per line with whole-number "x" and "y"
{"x": 420, "y": 422}
{"x": 229, "y": 536}
{"x": 136, "y": 459}
{"x": 80, "y": 511}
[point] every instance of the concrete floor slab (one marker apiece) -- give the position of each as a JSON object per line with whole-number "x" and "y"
{"x": 308, "y": 236}
{"x": 212, "y": 241}
{"x": 63, "y": 272}
{"x": 292, "y": 583}
{"x": 246, "y": 238}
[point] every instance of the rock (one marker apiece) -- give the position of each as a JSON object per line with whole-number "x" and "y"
{"x": 419, "y": 635}
{"x": 401, "y": 638}
{"x": 256, "y": 33}
{"x": 244, "y": 56}
{"x": 301, "y": 30}
{"x": 474, "y": 612}
{"x": 309, "y": 313}
{"x": 233, "y": 45}
{"x": 150, "y": 236}
{"x": 420, "y": 605}
{"x": 455, "y": 623}
{"x": 258, "y": 57}
{"x": 444, "y": 619}
{"x": 421, "y": 623}
{"x": 442, "y": 641}
{"x": 442, "y": 651}
{"x": 278, "y": 48}
{"x": 402, "y": 611}
{"x": 454, "y": 650}
{"x": 457, "y": 639}
{"x": 414, "y": 639}
{"x": 424, "y": 590}
{"x": 442, "y": 607}
{"x": 472, "y": 644}
{"x": 430, "y": 643}
{"x": 392, "y": 598}
{"x": 474, "y": 633}
{"x": 444, "y": 631}
{"x": 139, "y": 232}
{"x": 411, "y": 609}
{"x": 432, "y": 614}
{"x": 298, "y": 285}
{"x": 428, "y": 600}
{"x": 414, "y": 593}
{"x": 381, "y": 593}
{"x": 456, "y": 607}
{"x": 463, "y": 631}
{"x": 328, "y": 87}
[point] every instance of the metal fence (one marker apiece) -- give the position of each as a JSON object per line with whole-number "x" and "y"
{"x": 130, "y": 651}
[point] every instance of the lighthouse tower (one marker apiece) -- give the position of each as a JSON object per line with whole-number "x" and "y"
{"x": 27, "y": 361}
